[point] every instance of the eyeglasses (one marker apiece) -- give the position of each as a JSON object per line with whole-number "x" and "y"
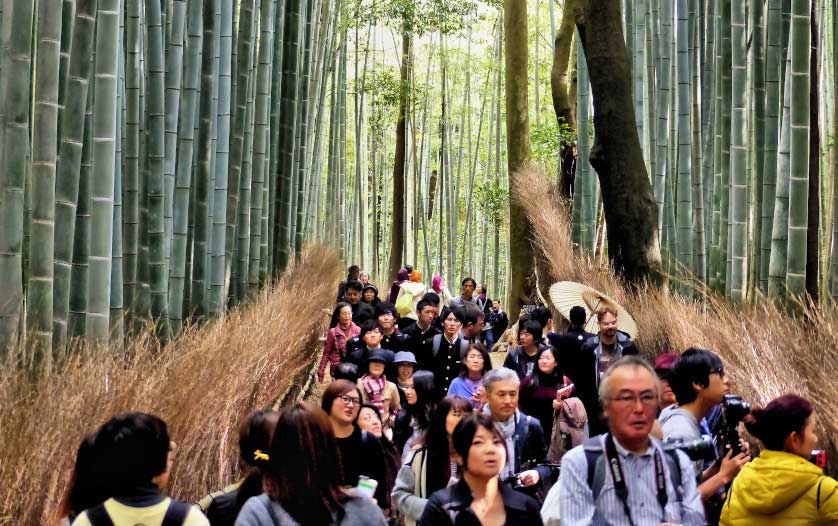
{"x": 647, "y": 399}
{"x": 720, "y": 372}
{"x": 349, "y": 400}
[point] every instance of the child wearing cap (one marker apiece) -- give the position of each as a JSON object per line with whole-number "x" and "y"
{"x": 405, "y": 363}
{"x": 378, "y": 391}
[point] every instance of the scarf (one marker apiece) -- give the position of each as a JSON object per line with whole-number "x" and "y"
{"x": 507, "y": 429}
{"x": 374, "y": 387}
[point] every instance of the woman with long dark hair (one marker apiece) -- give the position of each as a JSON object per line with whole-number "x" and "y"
{"x": 540, "y": 390}
{"x": 304, "y": 478}
{"x": 781, "y": 486}
{"x": 479, "y": 497}
{"x": 222, "y": 507}
{"x": 431, "y": 464}
{"x": 85, "y": 489}
{"x": 469, "y": 385}
{"x": 413, "y": 419}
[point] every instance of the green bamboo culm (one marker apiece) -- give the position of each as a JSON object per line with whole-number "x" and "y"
{"x": 16, "y": 89}
{"x": 799, "y": 42}
{"x": 738, "y": 156}
{"x": 131, "y": 164}
{"x": 102, "y": 183}
{"x": 69, "y": 164}
{"x": 684, "y": 215}
{"x": 780, "y": 220}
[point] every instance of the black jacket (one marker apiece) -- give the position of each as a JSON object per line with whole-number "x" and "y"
{"x": 499, "y": 321}
{"x": 517, "y": 360}
{"x": 414, "y": 339}
{"x": 531, "y": 450}
{"x": 451, "y": 506}
{"x": 582, "y": 368}
{"x": 359, "y": 358}
{"x": 394, "y": 342}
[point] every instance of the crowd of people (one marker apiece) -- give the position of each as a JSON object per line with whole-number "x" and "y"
{"x": 415, "y": 426}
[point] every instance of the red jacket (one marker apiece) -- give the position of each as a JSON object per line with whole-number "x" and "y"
{"x": 335, "y": 348}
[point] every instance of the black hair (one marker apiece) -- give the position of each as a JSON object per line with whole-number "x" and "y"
{"x": 471, "y": 315}
{"x": 457, "y": 312}
{"x": 467, "y": 428}
{"x": 694, "y": 367}
{"x": 85, "y": 490}
{"x": 487, "y": 360}
{"x": 436, "y": 442}
{"x": 345, "y": 371}
{"x": 354, "y": 284}
{"x": 427, "y": 398}
{"x": 254, "y": 435}
{"x": 466, "y": 280}
{"x": 384, "y": 307}
{"x": 539, "y": 378}
{"x": 336, "y": 389}
{"x": 534, "y": 328}
{"x": 430, "y": 298}
{"x": 338, "y": 307}
{"x": 578, "y": 316}
{"x": 542, "y": 315}
{"x": 409, "y": 269}
{"x": 365, "y": 405}
{"x": 369, "y": 325}
{"x": 422, "y": 304}
{"x": 134, "y": 449}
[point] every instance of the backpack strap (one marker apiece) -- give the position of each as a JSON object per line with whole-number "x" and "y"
{"x": 436, "y": 341}
{"x": 267, "y": 502}
{"x": 176, "y": 514}
{"x": 98, "y": 516}
{"x": 674, "y": 467}
{"x": 820, "y": 483}
{"x": 596, "y": 469}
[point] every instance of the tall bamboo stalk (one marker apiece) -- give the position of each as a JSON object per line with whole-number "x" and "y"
{"x": 738, "y": 156}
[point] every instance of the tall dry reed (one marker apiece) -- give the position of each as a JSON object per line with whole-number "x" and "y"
{"x": 203, "y": 384}
{"x": 766, "y": 351}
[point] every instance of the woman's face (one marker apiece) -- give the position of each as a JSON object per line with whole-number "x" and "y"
{"x": 452, "y": 419}
{"x": 369, "y": 295}
{"x": 345, "y": 315}
{"x": 479, "y": 290}
{"x": 547, "y": 362}
{"x": 376, "y": 369}
{"x": 525, "y": 339}
{"x": 487, "y": 454}
{"x": 474, "y": 361}
{"x": 368, "y": 421}
{"x": 803, "y": 443}
{"x": 345, "y": 408}
{"x": 410, "y": 393}
{"x": 405, "y": 372}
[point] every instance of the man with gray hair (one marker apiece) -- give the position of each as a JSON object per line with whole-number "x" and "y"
{"x": 525, "y": 445}
{"x": 625, "y": 477}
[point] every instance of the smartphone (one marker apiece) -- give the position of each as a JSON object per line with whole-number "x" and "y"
{"x": 564, "y": 391}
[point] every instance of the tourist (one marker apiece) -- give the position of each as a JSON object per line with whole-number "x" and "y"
{"x": 410, "y": 293}
{"x": 430, "y": 465}
{"x": 369, "y": 295}
{"x": 364, "y": 278}
{"x": 360, "y": 452}
{"x": 438, "y": 285}
{"x": 595, "y": 356}
{"x": 133, "y": 455}
{"x": 570, "y": 343}
{"x": 664, "y": 368}
{"x": 522, "y": 358}
{"x": 371, "y": 336}
{"x": 405, "y": 364}
{"x": 335, "y": 349}
{"x": 353, "y": 274}
{"x": 304, "y": 478}
{"x": 467, "y": 288}
{"x": 700, "y": 384}
{"x": 369, "y": 420}
{"x": 377, "y": 390}
{"x": 499, "y": 320}
{"x": 474, "y": 321}
{"x": 544, "y": 317}
{"x": 523, "y": 434}
{"x": 345, "y": 371}
{"x": 401, "y": 276}
{"x": 469, "y": 384}
{"x": 417, "y": 334}
{"x": 543, "y": 390}
{"x": 361, "y": 312}
{"x": 391, "y": 338}
{"x": 443, "y": 354}
{"x": 222, "y": 507}
{"x": 479, "y": 497}
{"x": 781, "y": 486}
{"x": 86, "y": 488}
{"x": 635, "y": 482}
{"x": 413, "y": 418}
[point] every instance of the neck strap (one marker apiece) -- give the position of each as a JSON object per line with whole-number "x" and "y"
{"x": 620, "y": 487}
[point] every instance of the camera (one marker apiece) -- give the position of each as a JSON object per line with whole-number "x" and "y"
{"x": 734, "y": 409}
{"x": 700, "y": 449}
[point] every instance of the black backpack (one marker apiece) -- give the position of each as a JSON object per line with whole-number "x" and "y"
{"x": 175, "y": 514}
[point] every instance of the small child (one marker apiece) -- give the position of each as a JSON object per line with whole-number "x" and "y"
{"x": 378, "y": 391}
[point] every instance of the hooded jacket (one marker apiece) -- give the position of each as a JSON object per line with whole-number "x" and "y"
{"x": 780, "y": 488}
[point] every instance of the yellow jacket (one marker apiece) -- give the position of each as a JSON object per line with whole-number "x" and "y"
{"x": 781, "y": 489}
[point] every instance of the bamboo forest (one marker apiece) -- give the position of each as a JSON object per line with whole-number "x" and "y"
{"x": 165, "y": 160}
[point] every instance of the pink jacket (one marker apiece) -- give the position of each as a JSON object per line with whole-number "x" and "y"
{"x": 335, "y": 348}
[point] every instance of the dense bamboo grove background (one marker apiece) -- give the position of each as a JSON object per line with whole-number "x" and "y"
{"x": 203, "y": 386}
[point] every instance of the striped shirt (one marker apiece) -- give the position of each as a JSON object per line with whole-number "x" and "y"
{"x": 577, "y": 506}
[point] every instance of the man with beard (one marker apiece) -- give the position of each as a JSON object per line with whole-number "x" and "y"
{"x": 595, "y": 356}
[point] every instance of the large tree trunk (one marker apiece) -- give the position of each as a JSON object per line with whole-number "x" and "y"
{"x": 630, "y": 209}
{"x": 559, "y": 84}
{"x": 518, "y": 151}
{"x": 397, "y": 232}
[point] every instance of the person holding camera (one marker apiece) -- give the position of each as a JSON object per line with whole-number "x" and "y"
{"x": 699, "y": 384}
{"x": 626, "y": 477}
{"x": 782, "y": 486}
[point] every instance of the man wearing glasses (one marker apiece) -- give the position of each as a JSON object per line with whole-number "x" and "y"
{"x": 624, "y": 477}
{"x": 699, "y": 384}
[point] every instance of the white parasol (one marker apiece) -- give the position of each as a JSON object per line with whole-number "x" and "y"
{"x": 567, "y": 294}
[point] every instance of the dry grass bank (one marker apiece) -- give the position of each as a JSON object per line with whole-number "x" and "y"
{"x": 766, "y": 352}
{"x": 202, "y": 385}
